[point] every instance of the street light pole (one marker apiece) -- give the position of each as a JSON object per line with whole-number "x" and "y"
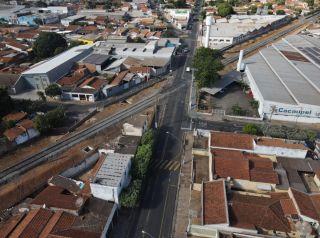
{"x": 146, "y": 233}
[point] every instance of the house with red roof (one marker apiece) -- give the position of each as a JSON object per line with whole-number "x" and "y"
{"x": 22, "y": 132}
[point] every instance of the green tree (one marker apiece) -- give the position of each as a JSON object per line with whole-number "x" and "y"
{"x": 281, "y": 2}
{"x": 254, "y": 104}
{"x": 56, "y": 116}
{"x": 180, "y": 4}
{"x": 252, "y": 129}
{"x": 148, "y": 137}
{"x": 52, "y": 119}
{"x": 47, "y": 43}
{"x": 224, "y": 9}
{"x": 202, "y": 15}
{"x": 269, "y": 5}
{"x": 168, "y": 34}
{"x": 253, "y": 9}
{"x": 6, "y": 103}
{"x": 310, "y": 2}
{"x": 42, "y": 124}
{"x": 129, "y": 197}
{"x": 41, "y": 96}
{"x": 8, "y": 124}
{"x": 206, "y": 63}
{"x": 280, "y": 12}
{"x": 59, "y": 50}
{"x": 53, "y": 90}
{"x": 237, "y": 110}
{"x": 141, "y": 160}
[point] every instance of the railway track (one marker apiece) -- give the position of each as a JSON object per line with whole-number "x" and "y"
{"x": 50, "y": 152}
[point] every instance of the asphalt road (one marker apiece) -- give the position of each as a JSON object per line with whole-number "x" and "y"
{"x": 156, "y": 212}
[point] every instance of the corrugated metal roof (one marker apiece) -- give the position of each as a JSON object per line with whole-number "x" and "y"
{"x": 56, "y": 61}
{"x": 282, "y": 78}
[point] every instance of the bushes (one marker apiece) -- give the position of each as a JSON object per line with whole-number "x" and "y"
{"x": 52, "y": 119}
{"x": 280, "y": 132}
{"x": 130, "y": 196}
{"x": 252, "y": 129}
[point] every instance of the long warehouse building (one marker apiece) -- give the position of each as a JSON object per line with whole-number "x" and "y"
{"x": 285, "y": 79}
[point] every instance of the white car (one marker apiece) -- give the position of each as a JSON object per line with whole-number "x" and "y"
{"x": 188, "y": 69}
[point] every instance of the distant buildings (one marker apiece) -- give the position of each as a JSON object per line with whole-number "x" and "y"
{"x": 179, "y": 17}
{"x": 239, "y": 28}
{"x": 284, "y": 78}
{"x": 75, "y": 70}
{"x": 49, "y": 71}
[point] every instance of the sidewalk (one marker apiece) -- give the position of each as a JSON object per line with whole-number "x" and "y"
{"x": 184, "y": 192}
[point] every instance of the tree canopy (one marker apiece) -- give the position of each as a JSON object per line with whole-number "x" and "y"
{"x": 280, "y": 12}
{"x": 224, "y": 9}
{"x": 53, "y": 90}
{"x": 206, "y": 64}
{"x": 47, "y": 43}
{"x": 252, "y": 129}
{"x": 6, "y": 103}
{"x": 52, "y": 119}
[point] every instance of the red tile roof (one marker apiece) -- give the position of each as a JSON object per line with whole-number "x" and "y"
{"x": 25, "y": 124}
{"x": 93, "y": 82}
{"x": 15, "y": 116}
{"x": 214, "y": 203}
{"x": 241, "y": 165}
{"x": 54, "y": 197}
{"x": 264, "y": 176}
{"x": 274, "y": 142}
{"x": 28, "y": 36}
{"x": 225, "y": 165}
{"x": 261, "y": 212}
{"x": 13, "y": 133}
{"x": 307, "y": 204}
{"x": 136, "y": 69}
{"x": 119, "y": 77}
{"x": 288, "y": 207}
{"x": 33, "y": 224}
{"x": 232, "y": 140}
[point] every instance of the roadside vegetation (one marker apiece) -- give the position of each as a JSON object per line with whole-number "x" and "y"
{"x": 130, "y": 196}
{"x": 206, "y": 64}
{"x": 283, "y": 132}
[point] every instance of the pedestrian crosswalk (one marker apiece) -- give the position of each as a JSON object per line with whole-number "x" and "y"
{"x": 170, "y": 165}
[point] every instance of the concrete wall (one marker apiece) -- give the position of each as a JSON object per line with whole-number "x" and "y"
{"x": 278, "y": 151}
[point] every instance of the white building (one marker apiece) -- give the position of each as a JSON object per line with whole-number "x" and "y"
{"x": 179, "y": 17}
{"x": 49, "y": 71}
{"x": 285, "y": 79}
{"x": 240, "y": 28}
{"x": 112, "y": 177}
{"x": 136, "y": 126}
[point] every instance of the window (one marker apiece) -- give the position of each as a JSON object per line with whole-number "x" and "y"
{"x": 74, "y": 95}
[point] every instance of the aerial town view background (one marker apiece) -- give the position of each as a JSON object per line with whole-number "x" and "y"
{"x": 159, "y": 118}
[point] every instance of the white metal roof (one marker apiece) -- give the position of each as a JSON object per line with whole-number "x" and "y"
{"x": 56, "y": 61}
{"x": 112, "y": 169}
{"x": 287, "y": 79}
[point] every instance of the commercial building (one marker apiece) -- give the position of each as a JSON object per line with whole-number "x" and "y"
{"x": 49, "y": 71}
{"x": 284, "y": 78}
{"x": 112, "y": 177}
{"x": 240, "y": 28}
